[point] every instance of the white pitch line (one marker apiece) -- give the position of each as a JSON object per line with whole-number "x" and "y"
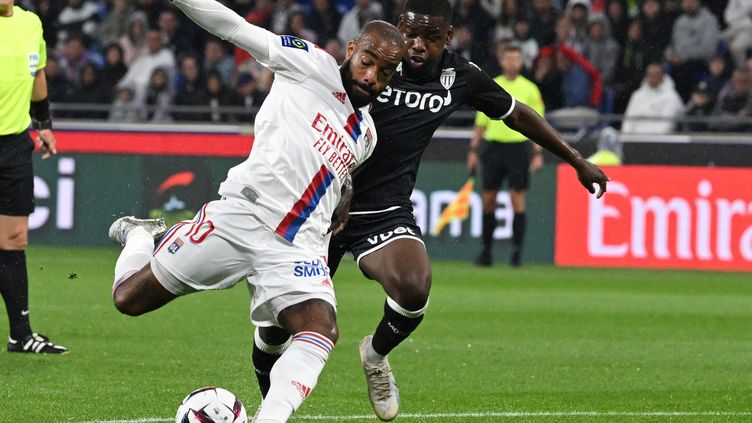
{"x": 439, "y": 416}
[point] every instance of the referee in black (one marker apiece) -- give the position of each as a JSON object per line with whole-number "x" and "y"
{"x": 23, "y": 99}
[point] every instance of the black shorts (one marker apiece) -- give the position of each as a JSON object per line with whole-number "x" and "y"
{"x": 366, "y": 233}
{"x": 510, "y": 161}
{"x": 16, "y": 175}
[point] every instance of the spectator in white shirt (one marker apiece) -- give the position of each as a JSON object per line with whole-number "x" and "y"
{"x": 652, "y": 109}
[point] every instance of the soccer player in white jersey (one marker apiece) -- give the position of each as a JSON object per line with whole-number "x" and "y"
{"x": 273, "y": 223}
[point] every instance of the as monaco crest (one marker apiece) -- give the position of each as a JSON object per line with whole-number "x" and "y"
{"x": 447, "y": 77}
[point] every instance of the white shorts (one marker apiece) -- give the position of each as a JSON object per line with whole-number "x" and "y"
{"x": 225, "y": 244}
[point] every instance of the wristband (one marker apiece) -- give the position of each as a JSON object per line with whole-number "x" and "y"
{"x": 41, "y": 124}
{"x": 40, "y": 110}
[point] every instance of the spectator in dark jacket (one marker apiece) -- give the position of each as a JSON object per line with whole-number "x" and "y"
{"x": 158, "y": 97}
{"x": 656, "y": 28}
{"x": 548, "y": 79}
{"x": 735, "y": 101}
{"x": 618, "y": 20}
{"x": 191, "y": 91}
{"x": 114, "y": 67}
{"x": 218, "y": 97}
{"x": 631, "y": 67}
{"x": 90, "y": 90}
{"x": 700, "y": 106}
{"x": 542, "y": 22}
{"x": 324, "y": 19}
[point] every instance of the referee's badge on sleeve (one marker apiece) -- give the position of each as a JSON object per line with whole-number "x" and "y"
{"x": 33, "y": 64}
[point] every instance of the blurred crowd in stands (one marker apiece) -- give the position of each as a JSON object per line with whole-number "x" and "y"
{"x": 142, "y": 60}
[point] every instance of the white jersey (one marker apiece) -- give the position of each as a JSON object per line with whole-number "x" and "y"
{"x": 308, "y": 137}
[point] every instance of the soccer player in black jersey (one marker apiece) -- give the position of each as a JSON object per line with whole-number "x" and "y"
{"x": 382, "y": 233}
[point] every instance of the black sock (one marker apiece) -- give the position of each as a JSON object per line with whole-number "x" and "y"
{"x": 518, "y": 231}
{"x": 489, "y": 226}
{"x": 393, "y": 329}
{"x": 14, "y": 287}
{"x": 262, "y": 365}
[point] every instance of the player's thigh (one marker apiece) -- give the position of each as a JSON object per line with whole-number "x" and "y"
{"x": 402, "y": 267}
{"x": 214, "y": 251}
{"x": 369, "y": 233}
{"x": 393, "y": 253}
{"x": 284, "y": 275}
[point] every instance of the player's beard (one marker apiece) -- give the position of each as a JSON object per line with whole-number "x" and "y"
{"x": 357, "y": 99}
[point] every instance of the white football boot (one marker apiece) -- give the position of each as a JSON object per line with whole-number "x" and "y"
{"x": 382, "y": 389}
{"x": 119, "y": 229}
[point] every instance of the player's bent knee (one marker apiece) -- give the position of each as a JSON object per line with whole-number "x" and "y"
{"x": 125, "y": 306}
{"x": 126, "y": 303}
{"x": 314, "y": 315}
{"x": 413, "y": 289}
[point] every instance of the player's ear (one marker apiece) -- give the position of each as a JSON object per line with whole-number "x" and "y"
{"x": 450, "y": 32}
{"x": 350, "y": 50}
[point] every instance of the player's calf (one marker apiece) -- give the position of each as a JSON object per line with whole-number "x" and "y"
{"x": 296, "y": 372}
{"x": 269, "y": 343}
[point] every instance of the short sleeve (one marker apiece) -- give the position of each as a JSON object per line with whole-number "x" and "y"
{"x": 298, "y": 59}
{"x": 487, "y": 96}
{"x": 42, "y": 52}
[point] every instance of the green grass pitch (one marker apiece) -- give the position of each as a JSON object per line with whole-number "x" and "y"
{"x": 532, "y": 344}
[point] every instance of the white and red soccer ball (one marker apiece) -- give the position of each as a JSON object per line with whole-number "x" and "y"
{"x": 211, "y": 405}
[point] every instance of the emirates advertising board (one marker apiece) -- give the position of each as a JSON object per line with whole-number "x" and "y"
{"x": 657, "y": 217}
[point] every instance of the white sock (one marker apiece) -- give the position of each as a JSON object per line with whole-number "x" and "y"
{"x": 139, "y": 246}
{"x": 294, "y": 376}
{"x": 371, "y": 355}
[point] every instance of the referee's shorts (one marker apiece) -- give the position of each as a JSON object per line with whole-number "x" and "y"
{"x": 506, "y": 160}
{"x": 16, "y": 175}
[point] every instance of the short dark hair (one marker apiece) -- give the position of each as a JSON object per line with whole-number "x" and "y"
{"x": 385, "y": 30}
{"x": 440, "y": 8}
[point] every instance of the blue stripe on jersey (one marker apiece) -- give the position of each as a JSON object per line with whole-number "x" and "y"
{"x": 320, "y": 185}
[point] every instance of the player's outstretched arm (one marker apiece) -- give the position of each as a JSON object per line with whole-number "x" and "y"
{"x": 525, "y": 120}
{"x": 227, "y": 25}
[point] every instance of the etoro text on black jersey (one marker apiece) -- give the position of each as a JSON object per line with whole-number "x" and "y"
{"x": 406, "y": 114}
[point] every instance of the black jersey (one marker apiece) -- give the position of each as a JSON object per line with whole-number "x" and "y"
{"x": 406, "y": 114}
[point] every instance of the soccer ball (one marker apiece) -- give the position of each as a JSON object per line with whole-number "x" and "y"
{"x": 211, "y": 405}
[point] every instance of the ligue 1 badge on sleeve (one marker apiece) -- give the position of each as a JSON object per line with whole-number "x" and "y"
{"x": 33, "y": 64}
{"x": 293, "y": 42}
{"x": 447, "y": 77}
